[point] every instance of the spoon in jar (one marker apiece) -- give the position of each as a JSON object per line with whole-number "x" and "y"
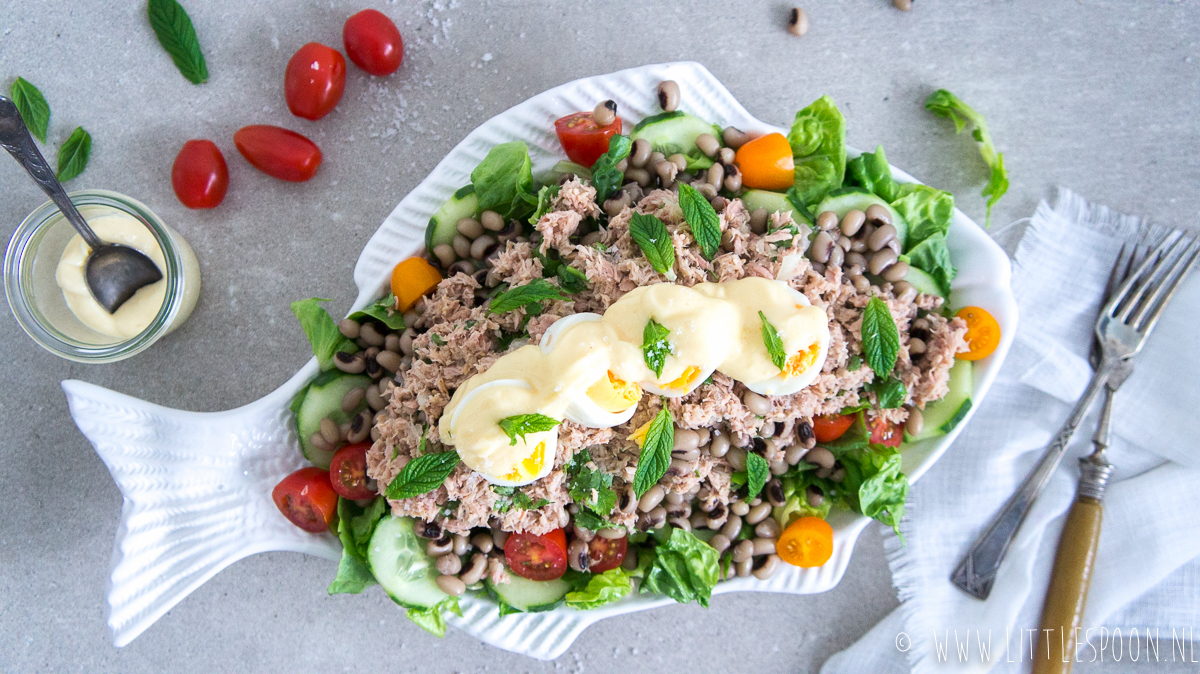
{"x": 113, "y": 272}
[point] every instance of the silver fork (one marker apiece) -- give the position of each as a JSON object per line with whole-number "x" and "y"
{"x": 1122, "y": 328}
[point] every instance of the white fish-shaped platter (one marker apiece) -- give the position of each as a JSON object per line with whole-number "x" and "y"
{"x": 197, "y": 486}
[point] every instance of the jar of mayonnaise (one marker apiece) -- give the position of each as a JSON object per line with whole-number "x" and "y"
{"x": 44, "y": 281}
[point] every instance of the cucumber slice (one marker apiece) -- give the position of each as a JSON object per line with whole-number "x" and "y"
{"x": 324, "y": 399}
{"x": 923, "y": 282}
{"x": 673, "y": 132}
{"x": 846, "y": 199}
{"x": 941, "y": 416}
{"x": 397, "y": 558}
{"x": 773, "y": 201}
{"x": 444, "y": 224}
{"x": 531, "y": 596}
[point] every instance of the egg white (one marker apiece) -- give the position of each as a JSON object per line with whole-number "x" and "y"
{"x": 530, "y": 440}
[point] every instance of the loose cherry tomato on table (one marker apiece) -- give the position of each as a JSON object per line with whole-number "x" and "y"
{"x": 885, "y": 433}
{"x": 199, "y": 175}
{"x": 983, "y": 333}
{"x": 278, "y": 152}
{"x": 830, "y": 427}
{"x": 307, "y": 499}
{"x": 411, "y": 279}
{"x": 537, "y": 557}
{"x": 314, "y": 81}
{"x": 766, "y": 163}
{"x": 806, "y": 542}
{"x": 606, "y": 553}
{"x": 348, "y": 472}
{"x": 373, "y": 42}
{"x": 582, "y": 139}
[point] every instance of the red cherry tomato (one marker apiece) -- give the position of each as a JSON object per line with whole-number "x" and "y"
{"x": 831, "y": 426}
{"x": 278, "y": 152}
{"x": 373, "y": 42}
{"x": 583, "y": 140}
{"x": 307, "y": 499}
{"x": 315, "y": 79}
{"x": 537, "y": 557}
{"x": 348, "y": 472}
{"x": 200, "y": 176}
{"x": 605, "y": 553}
{"x": 884, "y": 433}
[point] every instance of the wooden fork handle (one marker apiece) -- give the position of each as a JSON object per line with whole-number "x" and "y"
{"x": 1067, "y": 594}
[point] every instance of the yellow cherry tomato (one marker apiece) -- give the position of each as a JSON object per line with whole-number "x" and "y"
{"x": 983, "y": 333}
{"x": 806, "y": 542}
{"x": 411, "y": 279}
{"x": 766, "y": 163}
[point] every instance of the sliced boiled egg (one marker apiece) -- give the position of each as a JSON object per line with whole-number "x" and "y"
{"x": 484, "y": 446}
{"x": 557, "y": 328}
{"x": 687, "y": 381}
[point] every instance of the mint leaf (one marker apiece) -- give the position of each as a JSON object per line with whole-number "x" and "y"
{"x": 655, "y": 347}
{"x": 383, "y": 311}
{"x": 525, "y": 501}
{"x": 605, "y": 176}
{"x": 521, "y": 424}
{"x": 34, "y": 109}
{"x": 590, "y": 488}
{"x": 423, "y": 474}
{"x": 854, "y": 363}
{"x": 322, "y": 332}
{"x": 774, "y": 344}
{"x": 175, "y": 33}
{"x": 757, "y": 473}
{"x": 945, "y": 104}
{"x": 880, "y": 339}
{"x": 890, "y": 391}
{"x": 534, "y": 291}
{"x": 571, "y": 279}
{"x": 702, "y": 219}
{"x": 656, "y": 452}
{"x": 73, "y": 155}
{"x": 651, "y": 235}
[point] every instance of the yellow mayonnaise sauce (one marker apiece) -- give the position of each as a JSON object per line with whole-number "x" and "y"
{"x": 594, "y": 369}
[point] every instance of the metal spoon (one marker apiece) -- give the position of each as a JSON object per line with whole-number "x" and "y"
{"x": 113, "y": 272}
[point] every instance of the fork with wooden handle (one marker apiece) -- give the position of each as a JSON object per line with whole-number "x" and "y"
{"x": 1066, "y": 596}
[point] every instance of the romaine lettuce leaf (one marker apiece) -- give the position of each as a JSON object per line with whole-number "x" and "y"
{"x": 603, "y": 588}
{"x": 544, "y": 198}
{"x": 932, "y": 256}
{"x": 945, "y": 104}
{"x": 355, "y": 526}
{"x": 871, "y": 171}
{"x": 430, "y": 619}
{"x": 684, "y": 568}
{"x": 874, "y": 484}
{"x": 504, "y": 181}
{"x": 818, "y": 140}
{"x": 926, "y": 210}
{"x": 321, "y": 330}
{"x": 383, "y": 310}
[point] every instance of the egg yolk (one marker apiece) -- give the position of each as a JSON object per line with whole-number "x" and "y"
{"x": 639, "y": 435}
{"x": 529, "y": 466}
{"x": 684, "y": 380}
{"x": 799, "y": 363}
{"x": 614, "y": 395}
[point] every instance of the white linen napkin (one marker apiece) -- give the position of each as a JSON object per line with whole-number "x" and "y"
{"x": 1147, "y": 574}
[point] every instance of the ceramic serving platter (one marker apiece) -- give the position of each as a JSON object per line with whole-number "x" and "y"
{"x": 197, "y": 486}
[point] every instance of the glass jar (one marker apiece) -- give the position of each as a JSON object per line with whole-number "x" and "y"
{"x": 37, "y": 301}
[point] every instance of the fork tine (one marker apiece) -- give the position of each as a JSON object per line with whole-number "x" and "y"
{"x": 1156, "y": 278}
{"x": 1120, "y": 270}
{"x": 1148, "y": 316}
{"x": 1135, "y": 286}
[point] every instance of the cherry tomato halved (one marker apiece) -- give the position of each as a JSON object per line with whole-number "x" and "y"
{"x": 766, "y": 163}
{"x": 830, "y": 427}
{"x": 307, "y": 499}
{"x": 885, "y": 433}
{"x": 606, "y": 553}
{"x": 583, "y": 140}
{"x": 412, "y": 279}
{"x": 348, "y": 472}
{"x": 278, "y": 152}
{"x": 199, "y": 175}
{"x": 314, "y": 80}
{"x": 807, "y": 542}
{"x": 983, "y": 333}
{"x": 373, "y": 42}
{"x": 537, "y": 557}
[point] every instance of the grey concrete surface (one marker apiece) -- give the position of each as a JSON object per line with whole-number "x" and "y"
{"x": 1098, "y": 96}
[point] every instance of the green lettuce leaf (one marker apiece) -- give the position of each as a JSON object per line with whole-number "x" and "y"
{"x": 871, "y": 171}
{"x": 605, "y": 176}
{"x": 383, "y": 311}
{"x": 945, "y": 104}
{"x": 933, "y": 257}
{"x": 818, "y": 140}
{"x": 874, "y": 484}
{"x": 353, "y": 575}
{"x": 355, "y": 526}
{"x": 603, "y": 588}
{"x": 321, "y": 330}
{"x": 430, "y": 619}
{"x": 684, "y": 568}
{"x": 544, "y": 198}
{"x": 926, "y": 210}
{"x": 504, "y": 181}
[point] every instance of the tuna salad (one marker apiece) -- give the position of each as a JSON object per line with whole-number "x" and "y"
{"x": 657, "y": 366}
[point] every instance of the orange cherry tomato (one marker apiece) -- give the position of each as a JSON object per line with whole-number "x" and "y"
{"x": 830, "y": 427}
{"x": 411, "y": 279}
{"x": 766, "y": 163}
{"x": 806, "y": 542}
{"x": 307, "y": 499}
{"x": 983, "y": 333}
